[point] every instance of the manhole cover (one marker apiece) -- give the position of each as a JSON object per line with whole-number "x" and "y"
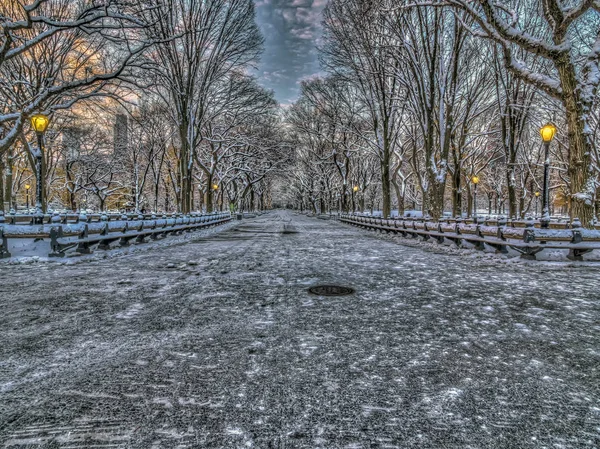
{"x": 331, "y": 290}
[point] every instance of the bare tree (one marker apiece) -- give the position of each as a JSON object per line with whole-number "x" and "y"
{"x": 359, "y": 47}
{"x": 569, "y": 43}
{"x": 55, "y": 53}
{"x": 205, "y": 40}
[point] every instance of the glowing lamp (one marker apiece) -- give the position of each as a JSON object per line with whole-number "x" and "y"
{"x": 27, "y": 187}
{"x": 215, "y": 187}
{"x": 39, "y": 123}
{"x": 475, "y": 179}
{"x": 355, "y": 188}
{"x": 548, "y": 132}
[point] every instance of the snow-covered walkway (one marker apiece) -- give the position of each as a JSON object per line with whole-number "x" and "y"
{"x": 217, "y": 344}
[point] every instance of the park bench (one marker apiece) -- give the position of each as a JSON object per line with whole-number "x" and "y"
{"x": 84, "y": 233}
{"x": 522, "y": 235}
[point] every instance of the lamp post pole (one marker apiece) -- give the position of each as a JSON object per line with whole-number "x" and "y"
{"x": 215, "y": 188}
{"x": 475, "y": 180}
{"x": 39, "y": 123}
{"x": 27, "y": 187}
{"x": 547, "y": 132}
{"x": 39, "y": 200}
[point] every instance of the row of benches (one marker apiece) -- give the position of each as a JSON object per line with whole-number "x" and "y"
{"x": 489, "y": 221}
{"x": 74, "y": 217}
{"x": 528, "y": 241}
{"x": 83, "y": 238}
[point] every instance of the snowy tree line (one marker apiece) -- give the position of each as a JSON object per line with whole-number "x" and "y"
{"x": 193, "y": 129}
{"x": 420, "y": 96}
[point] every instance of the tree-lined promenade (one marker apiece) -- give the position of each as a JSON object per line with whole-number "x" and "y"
{"x": 152, "y": 106}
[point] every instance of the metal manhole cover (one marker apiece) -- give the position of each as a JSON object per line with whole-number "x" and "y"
{"x": 331, "y": 290}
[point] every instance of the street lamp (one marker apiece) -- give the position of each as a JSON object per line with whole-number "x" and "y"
{"x": 355, "y": 189}
{"x": 27, "y": 187}
{"x": 215, "y": 188}
{"x": 475, "y": 181}
{"x": 39, "y": 123}
{"x": 537, "y": 200}
{"x": 547, "y": 132}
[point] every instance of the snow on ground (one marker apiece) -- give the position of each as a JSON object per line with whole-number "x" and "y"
{"x": 215, "y": 343}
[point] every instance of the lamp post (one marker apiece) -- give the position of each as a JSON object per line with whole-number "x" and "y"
{"x": 475, "y": 181}
{"x": 215, "y": 188}
{"x": 27, "y": 187}
{"x": 39, "y": 123}
{"x": 354, "y": 190}
{"x": 547, "y": 132}
{"x": 537, "y": 200}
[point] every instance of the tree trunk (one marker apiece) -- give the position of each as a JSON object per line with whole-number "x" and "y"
{"x": 2, "y": 168}
{"x": 510, "y": 186}
{"x": 399, "y": 196}
{"x": 385, "y": 179}
{"x": 436, "y": 198}
{"x": 209, "y": 193}
{"x": 8, "y": 182}
{"x": 456, "y": 192}
{"x": 582, "y": 190}
{"x": 185, "y": 173}
{"x": 522, "y": 207}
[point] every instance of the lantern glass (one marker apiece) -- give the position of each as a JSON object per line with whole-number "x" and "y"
{"x": 355, "y": 188}
{"x": 39, "y": 123}
{"x": 215, "y": 187}
{"x": 27, "y": 186}
{"x": 548, "y": 132}
{"x": 475, "y": 179}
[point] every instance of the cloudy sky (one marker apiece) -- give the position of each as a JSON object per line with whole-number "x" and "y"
{"x": 291, "y": 29}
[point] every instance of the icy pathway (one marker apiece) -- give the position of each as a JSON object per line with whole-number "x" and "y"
{"x": 216, "y": 343}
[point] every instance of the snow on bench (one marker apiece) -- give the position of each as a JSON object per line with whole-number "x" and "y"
{"x": 521, "y": 236}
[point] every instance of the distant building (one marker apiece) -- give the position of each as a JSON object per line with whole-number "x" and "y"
{"x": 71, "y": 139}
{"x": 120, "y": 139}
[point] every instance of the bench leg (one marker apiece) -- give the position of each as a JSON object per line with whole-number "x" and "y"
{"x": 84, "y": 248}
{"x": 4, "y": 254}
{"x": 124, "y": 241}
{"x": 577, "y": 254}
{"x": 500, "y": 249}
{"x": 57, "y": 254}
{"x": 105, "y": 244}
{"x": 457, "y": 242}
{"x": 528, "y": 253}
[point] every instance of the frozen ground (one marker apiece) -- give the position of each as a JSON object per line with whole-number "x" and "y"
{"x": 215, "y": 343}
